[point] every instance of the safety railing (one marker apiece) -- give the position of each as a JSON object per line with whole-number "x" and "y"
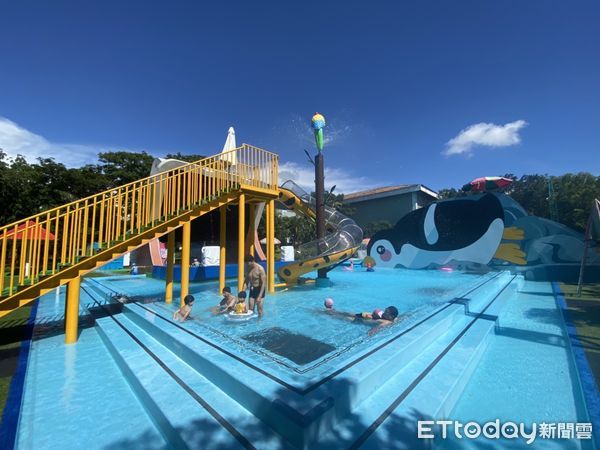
{"x": 44, "y": 244}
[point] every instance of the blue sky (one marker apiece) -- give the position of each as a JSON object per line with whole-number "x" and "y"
{"x": 414, "y": 92}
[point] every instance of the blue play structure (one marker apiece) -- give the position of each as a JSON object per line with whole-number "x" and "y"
{"x": 485, "y": 229}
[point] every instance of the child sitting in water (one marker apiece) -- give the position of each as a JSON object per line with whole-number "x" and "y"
{"x": 182, "y": 313}
{"x": 240, "y": 307}
{"x": 226, "y": 304}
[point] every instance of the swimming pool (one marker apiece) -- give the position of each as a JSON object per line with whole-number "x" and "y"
{"x": 208, "y": 383}
{"x": 296, "y": 338}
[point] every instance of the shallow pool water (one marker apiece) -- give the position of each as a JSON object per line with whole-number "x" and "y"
{"x": 316, "y": 342}
{"x": 75, "y": 396}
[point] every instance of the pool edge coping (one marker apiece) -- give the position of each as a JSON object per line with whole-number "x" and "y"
{"x": 587, "y": 380}
{"x": 11, "y": 415}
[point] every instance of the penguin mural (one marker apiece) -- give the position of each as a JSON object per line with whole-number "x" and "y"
{"x": 467, "y": 229}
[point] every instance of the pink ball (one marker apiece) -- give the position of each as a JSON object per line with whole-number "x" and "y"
{"x": 328, "y": 303}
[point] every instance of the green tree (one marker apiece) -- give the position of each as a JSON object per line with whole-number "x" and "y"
{"x": 373, "y": 227}
{"x": 531, "y": 192}
{"x": 124, "y": 167}
{"x": 20, "y": 186}
{"x": 444, "y": 194}
{"x": 8, "y": 191}
{"x": 89, "y": 180}
{"x": 574, "y": 194}
{"x": 294, "y": 229}
{"x": 186, "y": 158}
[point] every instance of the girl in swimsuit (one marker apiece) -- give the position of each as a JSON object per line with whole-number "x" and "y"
{"x": 183, "y": 313}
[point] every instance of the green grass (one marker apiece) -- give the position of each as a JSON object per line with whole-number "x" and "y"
{"x": 12, "y": 331}
{"x": 585, "y": 314}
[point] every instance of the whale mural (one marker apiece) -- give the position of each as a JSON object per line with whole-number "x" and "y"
{"x": 489, "y": 229}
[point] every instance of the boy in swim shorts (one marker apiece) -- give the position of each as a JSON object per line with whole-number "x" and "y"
{"x": 256, "y": 281}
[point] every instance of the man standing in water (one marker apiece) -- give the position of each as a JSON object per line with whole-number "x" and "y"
{"x": 256, "y": 281}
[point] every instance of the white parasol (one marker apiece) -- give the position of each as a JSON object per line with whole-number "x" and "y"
{"x": 229, "y": 145}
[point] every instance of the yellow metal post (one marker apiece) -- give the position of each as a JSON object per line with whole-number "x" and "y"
{"x": 72, "y": 310}
{"x": 241, "y": 236}
{"x": 170, "y": 263}
{"x": 271, "y": 244}
{"x": 267, "y": 240}
{"x": 222, "y": 246}
{"x": 251, "y": 229}
{"x": 185, "y": 260}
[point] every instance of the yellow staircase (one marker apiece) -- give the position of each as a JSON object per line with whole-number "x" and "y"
{"x": 47, "y": 250}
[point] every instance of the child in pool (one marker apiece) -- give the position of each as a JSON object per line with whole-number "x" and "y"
{"x": 240, "y": 307}
{"x": 377, "y": 314}
{"x": 183, "y": 313}
{"x": 382, "y": 319}
{"x": 379, "y": 319}
{"x": 226, "y": 304}
{"x": 388, "y": 315}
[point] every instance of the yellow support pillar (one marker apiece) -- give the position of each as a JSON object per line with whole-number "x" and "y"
{"x": 271, "y": 244}
{"x": 185, "y": 261}
{"x": 72, "y": 310}
{"x": 251, "y": 227}
{"x": 222, "y": 246}
{"x": 241, "y": 236}
{"x": 170, "y": 264}
{"x": 267, "y": 240}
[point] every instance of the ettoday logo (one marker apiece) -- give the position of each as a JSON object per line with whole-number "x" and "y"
{"x": 430, "y": 429}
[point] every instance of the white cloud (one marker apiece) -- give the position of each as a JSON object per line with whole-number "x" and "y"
{"x": 16, "y": 140}
{"x": 485, "y": 134}
{"x": 304, "y": 176}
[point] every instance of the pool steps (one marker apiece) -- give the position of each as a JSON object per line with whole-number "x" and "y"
{"x": 172, "y": 408}
{"x": 437, "y": 392}
{"x": 310, "y": 415}
{"x": 373, "y": 373}
{"x": 304, "y": 417}
{"x": 252, "y": 391}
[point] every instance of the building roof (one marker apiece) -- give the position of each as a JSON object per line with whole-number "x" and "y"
{"x": 388, "y": 191}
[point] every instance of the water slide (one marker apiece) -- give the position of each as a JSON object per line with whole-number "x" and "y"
{"x": 343, "y": 237}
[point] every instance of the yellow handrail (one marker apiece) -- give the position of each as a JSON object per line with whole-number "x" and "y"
{"x": 45, "y": 243}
